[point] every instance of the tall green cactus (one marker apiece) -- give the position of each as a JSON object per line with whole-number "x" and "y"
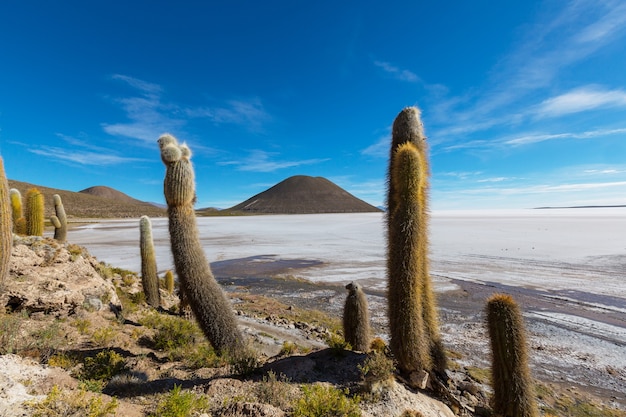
{"x": 356, "y": 319}
{"x": 149, "y": 277}
{"x": 34, "y": 212}
{"x": 6, "y": 226}
{"x": 414, "y": 328}
{"x": 19, "y": 222}
{"x": 512, "y": 383}
{"x": 208, "y": 302}
{"x": 59, "y": 221}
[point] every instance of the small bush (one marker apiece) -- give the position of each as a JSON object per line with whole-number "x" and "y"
{"x": 378, "y": 367}
{"x": 103, "y": 366}
{"x": 378, "y": 345}
{"x": 10, "y": 325}
{"x": 180, "y": 404}
{"x": 61, "y": 404}
{"x": 103, "y": 336}
{"x": 244, "y": 361}
{"x": 337, "y": 343}
{"x": 326, "y": 401}
{"x": 62, "y": 360}
{"x": 275, "y": 391}
{"x": 288, "y": 349}
{"x": 82, "y": 325}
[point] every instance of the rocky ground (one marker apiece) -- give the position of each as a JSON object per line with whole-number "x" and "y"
{"x": 64, "y": 310}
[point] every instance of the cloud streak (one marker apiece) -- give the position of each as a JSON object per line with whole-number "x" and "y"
{"x": 580, "y": 100}
{"x": 260, "y": 161}
{"x": 149, "y": 115}
{"x": 397, "y": 73}
{"x": 554, "y": 42}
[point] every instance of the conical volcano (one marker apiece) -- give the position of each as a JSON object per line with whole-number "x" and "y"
{"x": 302, "y": 194}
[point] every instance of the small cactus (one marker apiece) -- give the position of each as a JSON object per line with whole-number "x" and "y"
{"x": 19, "y": 222}
{"x": 207, "y": 300}
{"x": 34, "y": 213}
{"x": 356, "y": 320}
{"x": 149, "y": 277}
{"x": 169, "y": 281}
{"x": 59, "y": 221}
{"x": 511, "y": 380}
{"x": 6, "y": 232}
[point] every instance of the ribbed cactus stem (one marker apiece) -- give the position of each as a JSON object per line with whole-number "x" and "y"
{"x": 208, "y": 302}
{"x": 59, "y": 221}
{"x": 408, "y": 343}
{"x": 410, "y": 285}
{"x": 6, "y": 226}
{"x": 511, "y": 380}
{"x": 34, "y": 213}
{"x": 19, "y": 222}
{"x": 356, "y": 320}
{"x": 149, "y": 277}
{"x": 169, "y": 281}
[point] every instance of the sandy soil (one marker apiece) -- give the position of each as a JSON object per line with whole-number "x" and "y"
{"x": 564, "y": 267}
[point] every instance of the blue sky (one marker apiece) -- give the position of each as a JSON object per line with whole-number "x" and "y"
{"x": 524, "y": 102}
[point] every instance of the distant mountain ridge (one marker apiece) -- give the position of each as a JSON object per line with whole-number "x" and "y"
{"x": 303, "y": 194}
{"x": 93, "y": 202}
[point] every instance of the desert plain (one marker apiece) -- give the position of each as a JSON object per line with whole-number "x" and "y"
{"x": 565, "y": 267}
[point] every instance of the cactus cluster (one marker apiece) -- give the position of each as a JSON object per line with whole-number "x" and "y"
{"x": 34, "y": 213}
{"x": 510, "y": 375}
{"x": 149, "y": 277}
{"x": 207, "y": 300}
{"x": 356, "y": 321}
{"x": 6, "y": 225}
{"x": 414, "y": 330}
{"x": 59, "y": 221}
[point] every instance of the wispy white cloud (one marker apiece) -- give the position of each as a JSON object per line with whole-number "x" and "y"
{"x": 261, "y": 161}
{"x": 397, "y": 73}
{"x": 146, "y": 87}
{"x": 81, "y": 157}
{"x": 581, "y": 99}
{"x": 380, "y": 149}
{"x": 552, "y": 43}
{"x": 150, "y": 115}
{"x": 526, "y": 139}
{"x": 249, "y": 113}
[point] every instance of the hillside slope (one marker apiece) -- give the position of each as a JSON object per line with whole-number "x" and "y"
{"x": 100, "y": 202}
{"x": 302, "y": 194}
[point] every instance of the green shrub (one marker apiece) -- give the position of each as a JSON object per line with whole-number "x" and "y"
{"x": 180, "y": 404}
{"x": 63, "y": 404}
{"x": 326, "y": 401}
{"x": 103, "y": 366}
{"x": 275, "y": 391}
{"x": 377, "y": 367}
{"x": 337, "y": 343}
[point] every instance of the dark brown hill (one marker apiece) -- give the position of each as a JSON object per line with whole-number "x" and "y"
{"x": 304, "y": 195}
{"x": 86, "y": 205}
{"x": 110, "y": 193}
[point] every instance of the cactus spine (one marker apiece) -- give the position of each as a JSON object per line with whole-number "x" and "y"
{"x": 19, "y": 222}
{"x": 149, "y": 277}
{"x": 34, "y": 213}
{"x": 356, "y": 320}
{"x": 415, "y": 339}
{"x": 6, "y": 232}
{"x": 512, "y": 383}
{"x": 208, "y": 302}
{"x": 169, "y": 281}
{"x": 60, "y": 220}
